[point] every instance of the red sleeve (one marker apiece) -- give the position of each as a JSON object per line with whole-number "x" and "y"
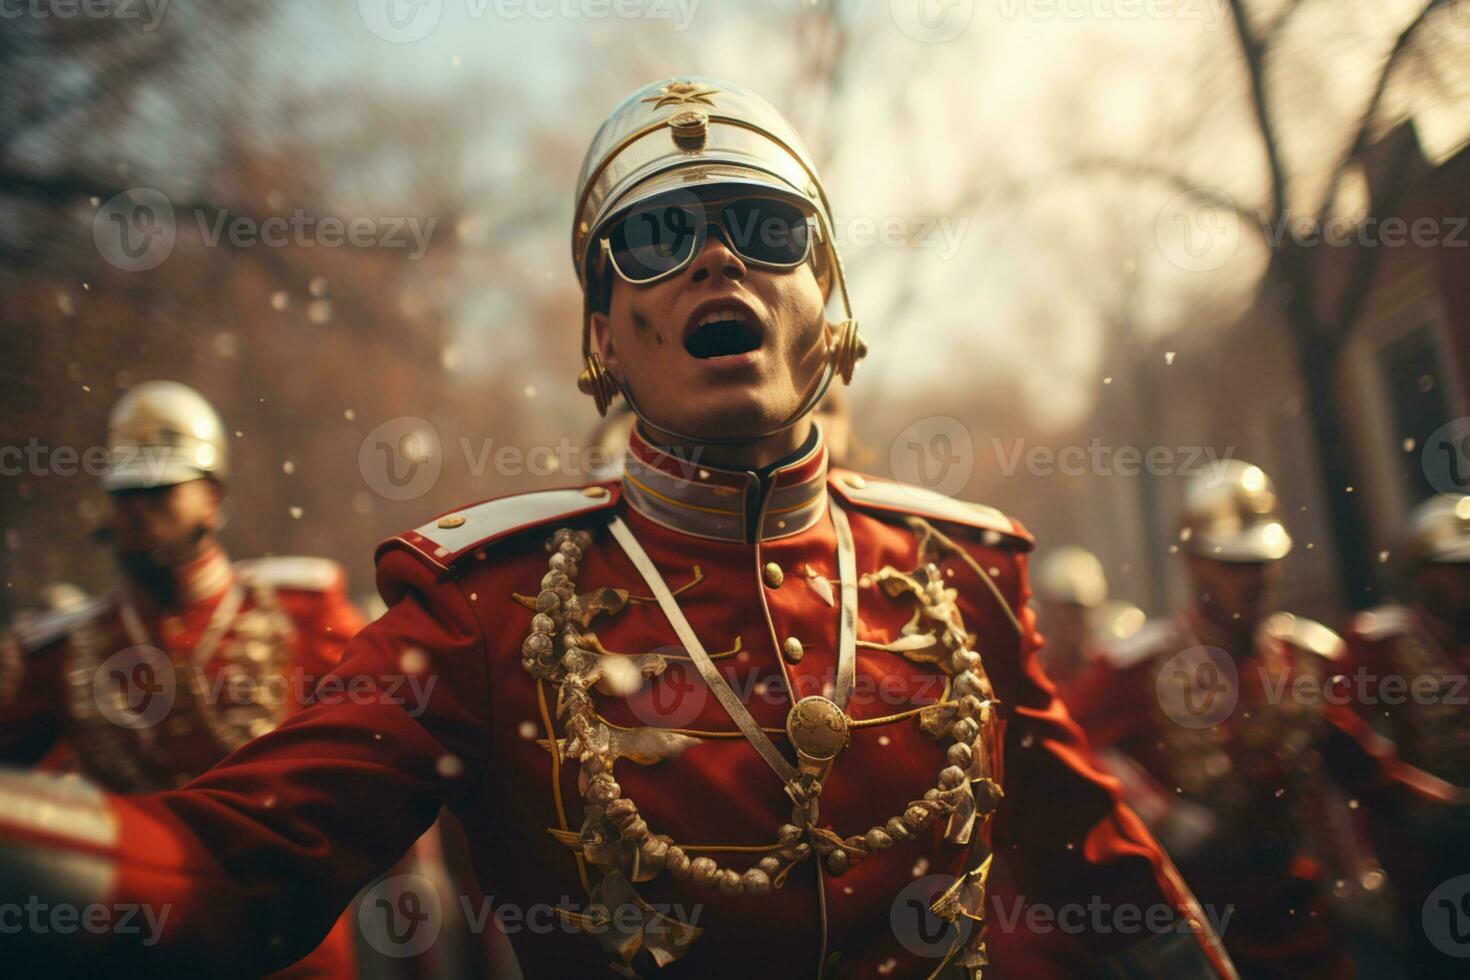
{"x": 255, "y": 858}
{"x": 30, "y": 699}
{"x": 1367, "y": 764}
{"x": 1062, "y": 826}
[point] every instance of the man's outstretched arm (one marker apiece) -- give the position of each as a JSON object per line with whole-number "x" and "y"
{"x": 245, "y": 869}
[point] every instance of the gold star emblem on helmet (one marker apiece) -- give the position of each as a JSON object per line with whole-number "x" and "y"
{"x": 682, "y": 93}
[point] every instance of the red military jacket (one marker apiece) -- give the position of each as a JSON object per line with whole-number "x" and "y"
{"x": 1232, "y": 754}
{"x": 260, "y": 853}
{"x": 147, "y": 700}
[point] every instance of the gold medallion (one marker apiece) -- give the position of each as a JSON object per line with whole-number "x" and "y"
{"x": 818, "y": 730}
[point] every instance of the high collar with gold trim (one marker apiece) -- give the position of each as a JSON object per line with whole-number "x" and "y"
{"x": 726, "y": 504}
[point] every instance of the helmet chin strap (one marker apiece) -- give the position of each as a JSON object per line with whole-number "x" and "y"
{"x": 808, "y": 404}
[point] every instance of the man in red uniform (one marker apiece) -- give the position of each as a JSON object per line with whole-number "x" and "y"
{"x": 192, "y": 655}
{"x": 734, "y": 714}
{"x": 1232, "y": 734}
{"x": 1409, "y": 669}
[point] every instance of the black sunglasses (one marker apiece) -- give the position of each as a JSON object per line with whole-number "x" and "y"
{"x": 658, "y": 238}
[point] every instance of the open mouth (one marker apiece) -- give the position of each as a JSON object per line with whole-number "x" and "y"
{"x": 723, "y": 333}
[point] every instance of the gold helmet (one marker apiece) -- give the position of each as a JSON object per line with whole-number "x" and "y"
{"x": 682, "y": 134}
{"x": 161, "y": 433}
{"x": 1072, "y": 575}
{"x": 1439, "y": 529}
{"x": 1230, "y": 515}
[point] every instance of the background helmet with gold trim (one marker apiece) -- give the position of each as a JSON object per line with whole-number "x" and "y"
{"x": 162, "y": 433}
{"x": 1230, "y": 514}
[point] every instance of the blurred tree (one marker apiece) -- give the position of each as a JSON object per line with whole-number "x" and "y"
{"x": 1320, "y": 324}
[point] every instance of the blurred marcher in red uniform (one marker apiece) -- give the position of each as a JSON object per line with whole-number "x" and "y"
{"x": 1074, "y": 617}
{"x": 192, "y": 655}
{"x": 1230, "y": 744}
{"x": 1074, "y": 613}
{"x": 1408, "y": 676}
{"x": 734, "y": 714}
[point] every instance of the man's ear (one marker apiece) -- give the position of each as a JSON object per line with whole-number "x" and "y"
{"x": 602, "y": 342}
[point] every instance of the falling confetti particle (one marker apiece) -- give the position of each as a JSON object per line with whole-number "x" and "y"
{"x": 288, "y": 467}
{"x": 1108, "y": 380}
{"x": 349, "y": 415}
{"x": 1168, "y": 357}
{"x": 1409, "y": 445}
{"x": 449, "y": 766}
{"x": 527, "y": 730}
{"x": 296, "y": 513}
{"x": 279, "y": 300}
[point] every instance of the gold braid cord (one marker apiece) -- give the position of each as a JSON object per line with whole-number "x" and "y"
{"x": 619, "y": 843}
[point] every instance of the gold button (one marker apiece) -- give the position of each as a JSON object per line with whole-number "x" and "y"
{"x": 453, "y": 520}
{"x": 596, "y": 493}
{"x": 774, "y": 575}
{"x": 854, "y": 481}
{"x": 792, "y": 650}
